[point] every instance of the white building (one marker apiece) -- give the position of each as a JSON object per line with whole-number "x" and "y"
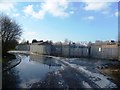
{"x": 43, "y": 48}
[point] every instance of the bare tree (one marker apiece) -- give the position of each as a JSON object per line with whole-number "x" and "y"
{"x": 10, "y": 32}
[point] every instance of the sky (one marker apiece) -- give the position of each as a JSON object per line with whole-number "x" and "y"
{"x": 58, "y": 20}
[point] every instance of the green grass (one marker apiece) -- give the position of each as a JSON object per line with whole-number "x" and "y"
{"x": 0, "y": 60}
{"x": 7, "y": 57}
{"x": 116, "y": 75}
{"x": 113, "y": 72}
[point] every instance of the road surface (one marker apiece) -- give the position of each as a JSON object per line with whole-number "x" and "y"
{"x": 37, "y": 71}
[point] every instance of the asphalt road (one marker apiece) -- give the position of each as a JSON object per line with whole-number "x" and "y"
{"x": 84, "y": 74}
{"x": 36, "y": 71}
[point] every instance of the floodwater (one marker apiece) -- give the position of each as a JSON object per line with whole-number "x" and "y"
{"x": 37, "y": 71}
{"x": 31, "y": 69}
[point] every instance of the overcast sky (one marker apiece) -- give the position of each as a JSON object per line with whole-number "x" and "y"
{"x": 60, "y": 19}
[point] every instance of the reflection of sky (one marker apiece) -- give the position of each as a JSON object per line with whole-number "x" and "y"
{"x": 31, "y": 71}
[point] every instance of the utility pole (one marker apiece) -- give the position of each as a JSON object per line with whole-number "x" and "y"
{"x": 118, "y": 32}
{"x": 118, "y": 46}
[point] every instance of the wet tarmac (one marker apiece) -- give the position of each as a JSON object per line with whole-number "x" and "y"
{"x": 36, "y": 71}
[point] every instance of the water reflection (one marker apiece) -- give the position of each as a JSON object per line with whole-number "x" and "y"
{"x": 45, "y": 60}
{"x": 10, "y": 79}
{"x": 32, "y": 68}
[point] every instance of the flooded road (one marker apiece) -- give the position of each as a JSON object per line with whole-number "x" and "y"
{"x": 37, "y": 71}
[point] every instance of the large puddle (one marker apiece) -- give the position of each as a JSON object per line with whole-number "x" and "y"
{"x": 33, "y": 68}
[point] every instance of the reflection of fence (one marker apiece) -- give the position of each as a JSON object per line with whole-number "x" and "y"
{"x": 44, "y": 60}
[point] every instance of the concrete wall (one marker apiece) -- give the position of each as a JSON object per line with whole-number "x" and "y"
{"x": 95, "y": 51}
{"x": 110, "y": 52}
{"x": 75, "y": 52}
{"x": 119, "y": 52}
{"x": 41, "y": 49}
{"x": 65, "y": 51}
{"x": 79, "y": 52}
{"x": 23, "y": 47}
{"x": 85, "y": 52}
{"x": 56, "y": 50}
{"x": 69, "y": 51}
{"x": 105, "y": 51}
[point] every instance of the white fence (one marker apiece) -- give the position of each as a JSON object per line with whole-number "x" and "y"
{"x": 68, "y": 51}
{"x": 41, "y": 49}
{"x": 105, "y": 51}
{"x": 96, "y": 51}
